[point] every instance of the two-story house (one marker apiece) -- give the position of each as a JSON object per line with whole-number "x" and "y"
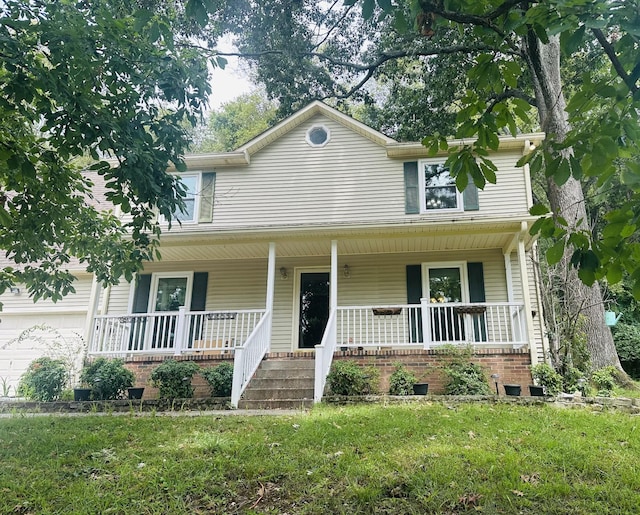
{"x": 319, "y": 238}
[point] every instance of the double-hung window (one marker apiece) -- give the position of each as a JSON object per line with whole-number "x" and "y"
{"x": 191, "y": 200}
{"x": 439, "y": 189}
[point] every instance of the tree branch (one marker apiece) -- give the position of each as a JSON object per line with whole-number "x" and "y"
{"x": 617, "y": 65}
{"x": 511, "y": 93}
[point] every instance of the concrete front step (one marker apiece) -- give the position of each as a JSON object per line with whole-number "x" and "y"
{"x": 267, "y": 404}
{"x": 290, "y": 383}
{"x": 277, "y": 392}
{"x": 287, "y": 364}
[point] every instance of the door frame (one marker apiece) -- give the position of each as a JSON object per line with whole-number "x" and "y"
{"x": 464, "y": 279}
{"x": 297, "y": 279}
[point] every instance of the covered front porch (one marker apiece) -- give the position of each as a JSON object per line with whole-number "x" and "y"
{"x": 390, "y": 316}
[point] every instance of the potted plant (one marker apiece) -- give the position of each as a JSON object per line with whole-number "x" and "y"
{"x": 135, "y": 392}
{"x": 401, "y": 381}
{"x": 512, "y": 389}
{"x": 544, "y": 375}
{"x": 108, "y": 378}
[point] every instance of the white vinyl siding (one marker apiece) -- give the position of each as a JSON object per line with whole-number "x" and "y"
{"x": 350, "y": 180}
{"x": 68, "y": 316}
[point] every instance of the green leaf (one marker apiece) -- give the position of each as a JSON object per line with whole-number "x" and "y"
{"x": 570, "y": 42}
{"x": 554, "y": 253}
{"x": 5, "y": 218}
{"x": 614, "y": 273}
{"x": 368, "y": 6}
{"x": 563, "y": 172}
{"x": 538, "y": 210}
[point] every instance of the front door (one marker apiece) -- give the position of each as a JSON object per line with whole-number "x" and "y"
{"x": 170, "y": 296}
{"x": 446, "y": 285}
{"x": 313, "y": 308}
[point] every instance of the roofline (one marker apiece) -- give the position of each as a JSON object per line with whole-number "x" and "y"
{"x": 416, "y": 149}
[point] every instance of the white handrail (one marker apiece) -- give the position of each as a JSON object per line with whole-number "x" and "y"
{"x": 324, "y": 357}
{"x": 247, "y": 357}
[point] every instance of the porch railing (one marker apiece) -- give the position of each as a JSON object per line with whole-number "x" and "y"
{"x": 176, "y": 333}
{"x": 427, "y": 325}
{"x": 248, "y": 356}
{"x": 324, "y": 357}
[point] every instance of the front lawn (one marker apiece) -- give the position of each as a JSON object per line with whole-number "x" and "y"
{"x": 398, "y": 459}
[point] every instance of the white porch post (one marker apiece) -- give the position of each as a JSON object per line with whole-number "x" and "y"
{"x": 92, "y": 310}
{"x": 181, "y": 326}
{"x": 509, "y": 276}
{"x": 333, "y": 282}
{"x": 271, "y": 285}
{"x": 526, "y": 298}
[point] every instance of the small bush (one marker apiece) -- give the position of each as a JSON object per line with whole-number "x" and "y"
{"x": 107, "y": 378}
{"x": 173, "y": 379}
{"x": 44, "y": 380}
{"x": 220, "y": 379}
{"x": 348, "y": 378}
{"x": 545, "y": 375}
{"x": 604, "y": 380}
{"x": 571, "y": 380}
{"x": 466, "y": 378}
{"x": 627, "y": 340}
{"x": 401, "y": 381}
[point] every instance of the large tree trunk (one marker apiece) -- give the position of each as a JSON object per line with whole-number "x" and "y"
{"x": 584, "y": 304}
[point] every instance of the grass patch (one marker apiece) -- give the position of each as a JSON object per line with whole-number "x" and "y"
{"x": 360, "y": 459}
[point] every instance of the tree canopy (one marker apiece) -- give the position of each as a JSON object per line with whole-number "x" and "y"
{"x": 107, "y": 82}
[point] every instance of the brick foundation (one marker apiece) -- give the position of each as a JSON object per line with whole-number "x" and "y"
{"x": 512, "y": 365}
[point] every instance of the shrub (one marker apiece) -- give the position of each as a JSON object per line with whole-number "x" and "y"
{"x": 604, "y": 380}
{"x": 401, "y": 381}
{"x": 173, "y": 379}
{"x": 545, "y": 375}
{"x": 348, "y": 378}
{"x": 107, "y": 378}
{"x": 44, "y": 380}
{"x": 627, "y": 340}
{"x": 571, "y": 380}
{"x": 220, "y": 379}
{"x": 466, "y": 378}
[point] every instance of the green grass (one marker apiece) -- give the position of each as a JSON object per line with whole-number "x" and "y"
{"x": 396, "y": 459}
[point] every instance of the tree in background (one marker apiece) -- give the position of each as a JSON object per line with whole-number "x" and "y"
{"x": 236, "y": 122}
{"x": 110, "y": 82}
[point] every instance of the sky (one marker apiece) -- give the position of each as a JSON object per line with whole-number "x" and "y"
{"x": 229, "y": 83}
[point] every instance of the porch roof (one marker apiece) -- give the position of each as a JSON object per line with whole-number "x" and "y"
{"x": 421, "y": 236}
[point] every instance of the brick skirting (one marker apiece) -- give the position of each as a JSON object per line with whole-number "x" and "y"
{"x": 513, "y": 366}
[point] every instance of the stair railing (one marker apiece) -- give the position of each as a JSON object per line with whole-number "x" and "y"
{"x": 247, "y": 357}
{"x": 324, "y": 357}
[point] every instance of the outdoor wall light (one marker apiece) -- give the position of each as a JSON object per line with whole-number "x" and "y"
{"x": 346, "y": 271}
{"x": 283, "y": 273}
{"x": 495, "y": 378}
{"x": 15, "y": 289}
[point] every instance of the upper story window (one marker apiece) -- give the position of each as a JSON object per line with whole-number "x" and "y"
{"x": 191, "y": 201}
{"x": 198, "y": 202}
{"x": 440, "y": 192}
{"x": 318, "y": 136}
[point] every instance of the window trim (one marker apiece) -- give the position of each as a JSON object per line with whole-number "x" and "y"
{"x": 153, "y": 289}
{"x": 464, "y": 279}
{"x": 311, "y": 129}
{"x": 423, "y": 189}
{"x": 196, "y": 197}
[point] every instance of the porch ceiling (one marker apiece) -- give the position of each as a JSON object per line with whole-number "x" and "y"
{"x": 372, "y": 241}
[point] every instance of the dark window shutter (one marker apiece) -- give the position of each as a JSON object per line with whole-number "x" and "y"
{"x": 141, "y": 295}
{"x": 140, "y": 305}
{"x": 470, "y": 197}
{"x": 411, "y": 188}
{"x": 206, "y": 197}
{"x": 199, "y": 291}
{"x": 475, "y": 272}
{"x": 414, "y": 293}
{"x": 476, "y": 282}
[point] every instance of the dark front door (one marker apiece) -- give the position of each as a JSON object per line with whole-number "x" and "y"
{"x": 313, "y": 308}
